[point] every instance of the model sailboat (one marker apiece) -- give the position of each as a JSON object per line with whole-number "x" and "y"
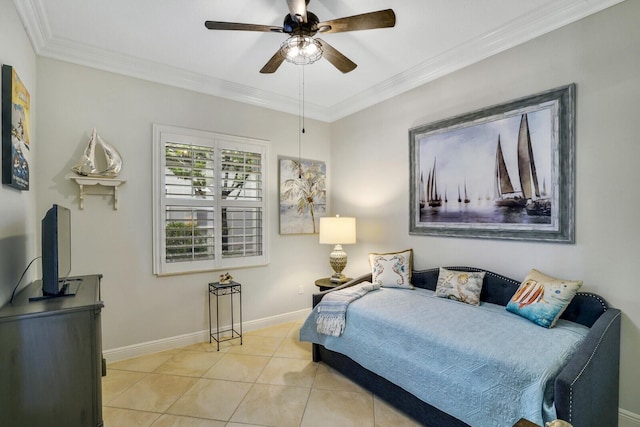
{"x": 86, "y": 166}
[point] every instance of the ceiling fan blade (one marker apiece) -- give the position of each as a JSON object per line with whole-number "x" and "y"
{"x": 338, "y": 60}
{"x": 366, "y": 21}
{"x": 298, "y": 10}
{"x": 272, "y": 65}
{"x": 217, "y": 25}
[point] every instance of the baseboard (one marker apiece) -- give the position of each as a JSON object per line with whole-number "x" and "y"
{"x": 628, "y": 419}
{"x": 135, "y": 350}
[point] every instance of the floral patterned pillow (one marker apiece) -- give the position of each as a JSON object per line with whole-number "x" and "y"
{"x": 392, "y": 270}
{"x": 542, "y": 299}
{"x": 463, "y": 286}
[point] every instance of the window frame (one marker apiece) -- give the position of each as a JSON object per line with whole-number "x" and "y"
{"x": 163, "y": 134}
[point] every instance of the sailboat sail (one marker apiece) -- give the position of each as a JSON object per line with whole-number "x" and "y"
{"x": 503, "y": 182}
{"x": 433, "y": 198}
{"x": 526, "y": 164}
{"x": 112, "y": 157}
{"x": 422, "y": 191}
{"x": 506, "y": 195}
{"x": 87, "y": 164}
{"x": 466, "y": 197}
{"x": 434, "y": 186}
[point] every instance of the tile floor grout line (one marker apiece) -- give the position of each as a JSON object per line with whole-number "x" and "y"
{"x": 306, "y": 404}
{"x": 131, "y": 385}
{"x": 166, "y": 411}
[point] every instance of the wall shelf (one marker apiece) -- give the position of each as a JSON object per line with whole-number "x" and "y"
{"x": 91, "y": 182}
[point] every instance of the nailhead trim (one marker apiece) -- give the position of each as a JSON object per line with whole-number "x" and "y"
{"x": 585, "y": 367}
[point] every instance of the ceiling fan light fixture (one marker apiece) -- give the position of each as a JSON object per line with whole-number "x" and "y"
{"x": 301, "y": 49}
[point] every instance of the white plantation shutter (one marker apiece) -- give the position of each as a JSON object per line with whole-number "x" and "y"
{"x": 209, "y": 201}
{"x": 241, "y": 203}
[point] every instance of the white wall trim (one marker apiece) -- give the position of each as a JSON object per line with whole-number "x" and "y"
{"x": 142, "y": 349}
{"x": 628, "y": 419}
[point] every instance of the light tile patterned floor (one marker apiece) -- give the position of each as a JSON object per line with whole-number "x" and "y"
{"x": 270, "y": 380}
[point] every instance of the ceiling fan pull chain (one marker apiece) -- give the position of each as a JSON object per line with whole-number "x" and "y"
{"x": 300, "y": 119}
{"x": 303, "y": 130}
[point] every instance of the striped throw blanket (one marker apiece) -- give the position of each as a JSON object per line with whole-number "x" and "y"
{"x": 332, "y": 309}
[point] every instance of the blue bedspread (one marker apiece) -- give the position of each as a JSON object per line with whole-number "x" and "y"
{"x": 483, "y": 365}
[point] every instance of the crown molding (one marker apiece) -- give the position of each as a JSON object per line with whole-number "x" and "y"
{"x": 35, "y": 22}
{"x": 555, "y": 15}
{"x": 551, "y": 17}
{"x": 83, "y": 54}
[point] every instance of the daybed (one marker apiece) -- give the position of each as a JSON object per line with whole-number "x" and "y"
{"x": 379, "y": 350}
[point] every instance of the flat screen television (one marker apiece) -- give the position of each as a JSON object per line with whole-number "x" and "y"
{"x": 56, "y": 251}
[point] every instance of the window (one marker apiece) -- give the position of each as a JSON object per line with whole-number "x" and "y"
{"x": 209, "y": 201}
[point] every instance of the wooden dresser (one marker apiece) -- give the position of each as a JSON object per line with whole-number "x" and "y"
{"x": 51, "y": 357}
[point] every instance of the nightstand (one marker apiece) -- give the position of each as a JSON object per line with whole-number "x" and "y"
{"x": 325, "y": 283}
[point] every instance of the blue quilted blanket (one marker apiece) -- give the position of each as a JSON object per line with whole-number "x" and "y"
{"x": 483, "y": 365}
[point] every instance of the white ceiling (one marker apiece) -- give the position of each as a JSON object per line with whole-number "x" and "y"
{"x": 165, "y": 41}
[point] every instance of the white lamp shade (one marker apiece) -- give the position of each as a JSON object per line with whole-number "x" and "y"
{"x": 337, "y": 230}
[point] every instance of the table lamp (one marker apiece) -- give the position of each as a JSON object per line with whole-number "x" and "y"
{"x": 338, "y": 231}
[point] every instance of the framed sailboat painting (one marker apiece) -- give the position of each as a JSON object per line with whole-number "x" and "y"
{"x": 504, "y": 172}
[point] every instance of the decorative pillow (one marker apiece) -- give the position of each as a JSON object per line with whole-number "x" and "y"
{"x": 463, "y": 286}
{"x": 392, "y": 270}
{"x": 542, "y": 299}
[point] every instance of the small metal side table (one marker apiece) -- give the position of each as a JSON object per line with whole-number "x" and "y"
{"x": 219, "y": 289}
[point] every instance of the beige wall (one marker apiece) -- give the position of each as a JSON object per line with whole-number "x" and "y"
{"x": 601, "y": 54}
{"x": 140, "y": 307}
{"x": 18, "y": 240}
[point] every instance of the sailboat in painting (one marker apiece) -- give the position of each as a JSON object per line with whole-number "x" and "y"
{"x": 422, "y": 192}
{"x": 506, "y": 195}
{"x": 529, "y": 196}
{"x": 536, "y": 205}
{"x": 466, "y": 196}
{"x": 433, "y": 197}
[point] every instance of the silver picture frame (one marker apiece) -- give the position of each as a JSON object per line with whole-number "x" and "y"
{"x": 502, "y": 172}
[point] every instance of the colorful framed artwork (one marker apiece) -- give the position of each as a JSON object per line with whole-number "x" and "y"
{"x": 504, "y": 172}
{"x": 16, "y": 142}
{"x": 302, "y": 194}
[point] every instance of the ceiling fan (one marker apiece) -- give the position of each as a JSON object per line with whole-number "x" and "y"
{"x": 302, "y": 25}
